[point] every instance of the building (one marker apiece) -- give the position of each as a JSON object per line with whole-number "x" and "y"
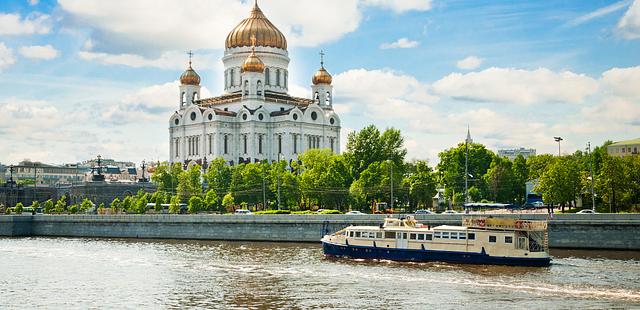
{"x": 255, "y": 118}
{"x": 624, "y": 148}
{"x": 45, "y": 174}
{"x": 513, "y": 153}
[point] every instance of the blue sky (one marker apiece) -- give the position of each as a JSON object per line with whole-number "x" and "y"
{"x": 80, "y": 78}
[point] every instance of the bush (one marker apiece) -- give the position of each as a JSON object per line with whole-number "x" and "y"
{"x": 48, "y": 206}
{"x": 18, "y": 208}
{"x": 86, "y": 205}
{"x": 61, "y": 204}
{"x": 174, "y": 206}
{"x": 273, "y": 212}
{"x": 303, "y": 212}
{"x": 330, "y": 212}
{"x": 73, "y": 209}
{"x": 35, "y": 205}
{"x": 195, "y": 204}
{"x": 8, "y": 211}
{"x": 115, "y": 205}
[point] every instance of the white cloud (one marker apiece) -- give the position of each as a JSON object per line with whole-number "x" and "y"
{"x": 400, "y": 43}
{"x": 45, "y": 52}
{"x": 168, "y": 60}
{"x": 508, "y": 85}
{"x": 599, "y": 13}
{"x": 6, "y": 57}
{"x": 13, "y": 24}
{"x": 622, "y": 82}
{"x": 147, "y": 105}
{"x": 400, "y": 6}
{"x": 629, "y": 24}
{"x": 469, "y": 63}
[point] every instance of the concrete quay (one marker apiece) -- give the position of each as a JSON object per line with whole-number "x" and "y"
{"x": 579, "y": 231}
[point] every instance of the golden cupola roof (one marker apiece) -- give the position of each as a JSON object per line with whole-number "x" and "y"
{"x": 253, "y": 62}
{"x": 190, "y": 77}
{"x": 256, "y": 25}
{"x": 321, "y": 76}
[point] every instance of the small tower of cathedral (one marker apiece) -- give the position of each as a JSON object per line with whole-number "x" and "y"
{"x": 189, "y": 86}
{"x": 253, "y": 75}
{"x": 322, "y": 91}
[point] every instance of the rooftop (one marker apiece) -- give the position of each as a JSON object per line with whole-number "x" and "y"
{"x": 627, "y": 142}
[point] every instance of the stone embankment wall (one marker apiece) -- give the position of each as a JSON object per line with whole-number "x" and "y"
{"x": 588, "y": 231}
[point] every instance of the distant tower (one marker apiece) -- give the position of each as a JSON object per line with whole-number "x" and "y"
{"x": 468, "y": 140}
{"x": 189, "y": 86}
{"x": 322, "y": 91}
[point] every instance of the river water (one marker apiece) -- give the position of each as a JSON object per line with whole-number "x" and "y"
{"x": 66, "y": 273}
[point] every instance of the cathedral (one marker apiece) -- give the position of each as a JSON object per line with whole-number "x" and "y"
{"x": 255, "y": 118}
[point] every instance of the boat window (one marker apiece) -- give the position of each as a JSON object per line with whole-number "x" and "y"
{"x": 454, "y": 235}
{"x": 413, "y": 236}
{"x": 420, "y": 236}
{"x": 508, "y": 239}
{"x": 365, "y": 234}
{"x": 492, "y": 239}
{"x": 372, "y": 234}
{"x": 389, "y": 234}
{"x": 462, "y": 236}
{"x": 379, "y": 235}
{"x": 438, "y": 234}
{"x": 445, "y": 235}
{"x": 472, "y": 236}
{"x": 358, "y": 234}
{"x": 428, "y": 237}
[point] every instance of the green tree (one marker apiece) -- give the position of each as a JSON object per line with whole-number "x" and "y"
{"x": 500, "y": 180}
{"x": 195, "y": 204}
{"x": 211, "y": 200}
{"x": 289, "y": 184}
{"x": 18, "y": 208}
{"x": 73, "y": 209}
{"x": 520, "y": 177}
{"x": 166, "y": 176}
{"x": 141, "y": 205}
{"x": 228, "y": 202}
{"x": 127, "y": 202}
{"x": 218, "y": 175}
{"x": 35, "y": 205}
{"x": 61, "y": 204}
{"x": 613, "y": 181}
{"x": 538, "y": 164}
{"x": 86, "y": 205}
{"x": 48, "y": 206}
{"x": 323, "y": 181}
{"x": 561, "y": 182}
{"x": 368, "y": 146}
{"x": 422, "y": 184}
{"x": 189, "y": 183}
{"x": 115, "y": 205}
{"x": 174, "y": 205}
{"x": 452, "y": 167}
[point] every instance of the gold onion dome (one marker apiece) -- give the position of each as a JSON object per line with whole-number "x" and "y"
{"x": 190, "y": 77}
{"x": 253, "y": 63}
{"x": 321, "y": 77}
{"x": 256, "y": 25}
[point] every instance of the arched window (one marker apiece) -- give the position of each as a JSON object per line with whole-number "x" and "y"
{"x": 183, "y": 99}
{"x": 267, "y": 78}
{"x": 327, "y": 99}
{"x": 226, "y": 144}
{"x": 259, "y": 88}
{"x": 278, "y": 77}
{"x": 316, "y": 98}
{"x": 246, "y": 87}
{"x": 231, "y": 78}
{"x": 244, "y": 138}
{"x": 226, "y": 78}
{"x": 196, "y": 96}
{"x": 286, "y": 77}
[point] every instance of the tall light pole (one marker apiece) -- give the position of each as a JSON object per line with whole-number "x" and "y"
{"x": 391, "y": 178}
{"x": 558, "y": 139}
{"x": 593, "y": 197}
{"x": 279, "y": 180}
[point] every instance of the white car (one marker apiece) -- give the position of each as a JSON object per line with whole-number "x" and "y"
{"x": 355, "y": 213}
{"x": 449, "y": 212}
{"x": 586, "y": 211}
{"x": 242, "y": 211}
{"x": 423, "y": 211}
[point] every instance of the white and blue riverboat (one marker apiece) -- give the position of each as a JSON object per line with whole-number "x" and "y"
{"x": 479, "y": 240}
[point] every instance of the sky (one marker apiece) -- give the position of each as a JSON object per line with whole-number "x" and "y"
{"x": 80, "y": 78}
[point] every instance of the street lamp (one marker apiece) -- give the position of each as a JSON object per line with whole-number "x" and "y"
{"x": 558, "y": 139}
{"x": 593, "y": 197}
{"x": 279, "y": 180}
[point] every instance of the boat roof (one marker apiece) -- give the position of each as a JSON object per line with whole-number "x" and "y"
{"x": 449, "y": 227}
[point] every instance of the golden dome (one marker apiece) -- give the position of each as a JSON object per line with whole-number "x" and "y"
{"x": 259, "y": 26}
{"x": 321, "y": 77}
{"x": 190, "y": 77}
{"x": 253, "y": 63}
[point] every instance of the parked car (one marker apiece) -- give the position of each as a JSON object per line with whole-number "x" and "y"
{"x": 586, "y": 211}
{"x": 242, "y": 211}
{"x": 423, "y": 211}
{"x": 355, "y": 213}
{"x": 449, "y": 212}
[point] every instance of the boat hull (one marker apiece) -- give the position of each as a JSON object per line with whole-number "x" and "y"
{"x": 413, "y": 255}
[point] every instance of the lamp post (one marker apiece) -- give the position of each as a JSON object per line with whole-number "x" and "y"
{"x": 558, "y": 139}
{"x": 279, "y": 180}
{"x": 593, "y": 197}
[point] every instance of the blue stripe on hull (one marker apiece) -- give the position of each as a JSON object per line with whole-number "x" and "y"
{"x": 411, "y": 255}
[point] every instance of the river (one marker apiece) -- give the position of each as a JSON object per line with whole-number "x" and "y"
{"x": 65, "y": 273}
